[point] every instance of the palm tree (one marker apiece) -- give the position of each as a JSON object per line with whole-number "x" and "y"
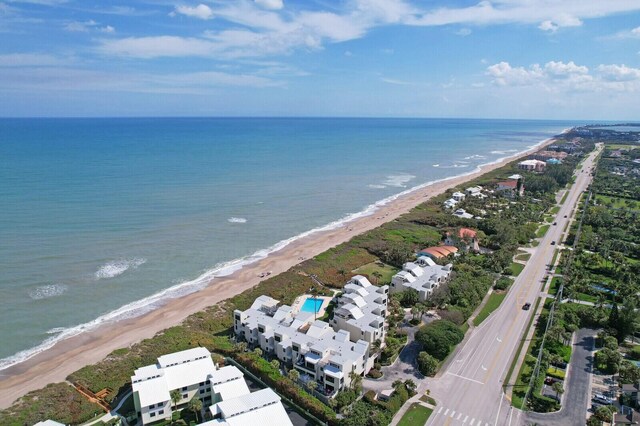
{"x": 275, "y": 364}
{"x": 294, "y": 375}
{"x": 356, "y": 381}
{"x": 311, "y": 386}
{"x": 240, "y": 346}
{"x": 258, "y": 352}
{"x": 411, "y": 386}
{"x": 195, "y": 405}
{"x": 559, "y": 390}
{"x": 175, "y": 397}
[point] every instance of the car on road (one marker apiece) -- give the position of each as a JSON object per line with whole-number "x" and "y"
{"x": 555, "y": 223}
{"x": 526, "y": 306}
{"x": 553, "y": 243}
{"x": 565, "y": 215}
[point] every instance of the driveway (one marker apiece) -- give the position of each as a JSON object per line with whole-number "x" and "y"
{"x": 575, "y": 400}
{"x": 405, "y": 366}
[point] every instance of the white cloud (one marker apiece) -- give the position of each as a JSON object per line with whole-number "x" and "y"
{"x": 87, "y": 26}
{"x": 560, "y": 76}
{"x": 348, "y": 53}
{"x": 633, "y": 33}
{"x": 152, "y": 47}
{"x": 201, "y": 11}
{"x": 548, "y": 26}
{"x": 395, "y": 81}
{"x": 619, "y": 73}
{"x": 270, "y": 4}
{"x": 258, "y": 28}
{"x": 463, "y": 32}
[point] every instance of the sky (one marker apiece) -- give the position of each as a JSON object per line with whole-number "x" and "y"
{"x": 538, "y": 59}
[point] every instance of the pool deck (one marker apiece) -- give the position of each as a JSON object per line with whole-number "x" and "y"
{"x": 296, "y": 306}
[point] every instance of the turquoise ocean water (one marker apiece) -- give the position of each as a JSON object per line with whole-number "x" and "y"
{"x": 103, "y": 219}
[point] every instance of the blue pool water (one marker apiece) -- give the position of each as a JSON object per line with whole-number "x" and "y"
{"x": 311, "y": 305}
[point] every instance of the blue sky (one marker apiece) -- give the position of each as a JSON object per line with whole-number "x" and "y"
{"x": 564, "y": 59}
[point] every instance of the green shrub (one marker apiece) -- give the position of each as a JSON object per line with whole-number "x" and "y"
{"x": 427, "y": 364}
{"x": 556, "y": 372}
{"x": 439, "y": 337}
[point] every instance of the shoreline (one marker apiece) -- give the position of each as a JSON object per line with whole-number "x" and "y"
{"x": 55, "y": 363}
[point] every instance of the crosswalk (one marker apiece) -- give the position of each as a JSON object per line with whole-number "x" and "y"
{"x": 450, "y": 416}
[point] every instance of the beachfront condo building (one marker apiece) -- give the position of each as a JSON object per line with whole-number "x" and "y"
{"x": 311, "y": 346}
{"x": 261, "y": 407}
{"x": 423, "y": 275}
{"x": 191, "y": 373}
{"x": 361, "y": 310}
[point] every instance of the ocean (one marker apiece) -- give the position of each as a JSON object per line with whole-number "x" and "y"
{"x": 105, "y": 219}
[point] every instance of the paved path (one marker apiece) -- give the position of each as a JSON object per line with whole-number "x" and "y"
{"x": 575, "y": 400}
{"x": 469, "y": 392}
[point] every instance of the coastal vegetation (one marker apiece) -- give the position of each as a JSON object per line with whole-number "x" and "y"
{"x": 506, "y": 224}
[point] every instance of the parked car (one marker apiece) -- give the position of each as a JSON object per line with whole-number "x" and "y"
{"x": 600, "y": 398}
{"x": 550, "y": 380}
{"x": 565, "y": 215}
{"x": 526, "y": 306}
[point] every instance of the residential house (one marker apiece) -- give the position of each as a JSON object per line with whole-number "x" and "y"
{"x": 629, "y": 417}
{"x": 475, "y": 191}
{"x": 462, "y": 213}
{"x": 450, "y": 203}
{"x": 424, "y": 276}
{"x": 465, "y": 238}
{"x": 458, "y": 196}
{"x": 510, "y": 188}
{"x": 532, "y": 165}
{"x": 438, "y": 252}
{"x": 633, "y": 390}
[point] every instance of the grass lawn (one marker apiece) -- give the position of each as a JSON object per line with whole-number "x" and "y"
{"x": 524, "y": 256}
{"x": 428, "y": 400}
{"x": 417, "y": 414}
{"x": 554, "y": 210}
{"x": 555, "y": 286}
{"x": 564, "y": 197}
{"x": 586, "y": 297}
{"x": 386, "y": 272}
{"x": 617, "y": 202}
{"x": 516, "y": 268}
{"x": 555, "y": 257}
{"x": 495, "y": 299}
{"x": 541, "y": 231}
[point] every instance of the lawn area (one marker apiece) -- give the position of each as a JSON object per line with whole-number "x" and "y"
{"x": 564, "y": 197}
{"x": 586, "y": 297}
{"x": 618, "y": 202}
{"x": 541, "y": 231}
{"x": 516, "y": 268}
{"x": 555, "y": 286}
{"x": 554, "y": 210}
{"x": 428, "y": 400}
{"x": 495, "y": 299}
{"x": 377, "y": 269}
{"x": 524, "y": 257}
{"x": 417, "y": 414}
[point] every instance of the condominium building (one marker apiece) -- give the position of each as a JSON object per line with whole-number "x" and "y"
{"x": 193, "y": 374}
{"x": 261, "y": 407}
{"x": 423, "y": 275}
{"x": 361, "y": 310}
{"x": 311, "y": 346}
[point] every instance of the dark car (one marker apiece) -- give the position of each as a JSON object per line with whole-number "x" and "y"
{"x": 565, "y": 215}
{"x": 553, "y": 243}
{"x": 555, "y": 223}
{"x": 526, "y": 306}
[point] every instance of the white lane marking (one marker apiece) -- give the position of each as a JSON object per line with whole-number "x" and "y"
{"x": 465, "y": 378}
{"x": 472, "y": 421}
{"x": 440, "y": 410}
{"x": 499, "y": 407}
{"x": 510, "y": 415}
{"x": 453, "y": 413}
{"x": 499, "y": 340}
{"x": 483, "y": 368}
{"x": 459, "y": 415}
{"x": 446, "y": 412}
{"x": 489, "y": 347}
{"x": 465, "y": 419}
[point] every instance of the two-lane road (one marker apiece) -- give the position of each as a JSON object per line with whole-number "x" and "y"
{"x": 469, "y": 392}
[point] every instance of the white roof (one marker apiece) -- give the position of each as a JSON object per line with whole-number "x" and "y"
{"x": 183, "y": 356}
{"x": 49, "y": 423}
{"x": 231, "y": 389}
{"x": 516, "y": 176}
{"x": 261, "y": 407}
{"x": 152, "y": 391}
{"x": 190, "y": 373}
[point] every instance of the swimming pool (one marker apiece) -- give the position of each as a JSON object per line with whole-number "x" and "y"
{"x": 311, "y": 305}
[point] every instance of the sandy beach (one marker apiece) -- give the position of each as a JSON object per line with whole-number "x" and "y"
{"x": 67, "y": 356}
